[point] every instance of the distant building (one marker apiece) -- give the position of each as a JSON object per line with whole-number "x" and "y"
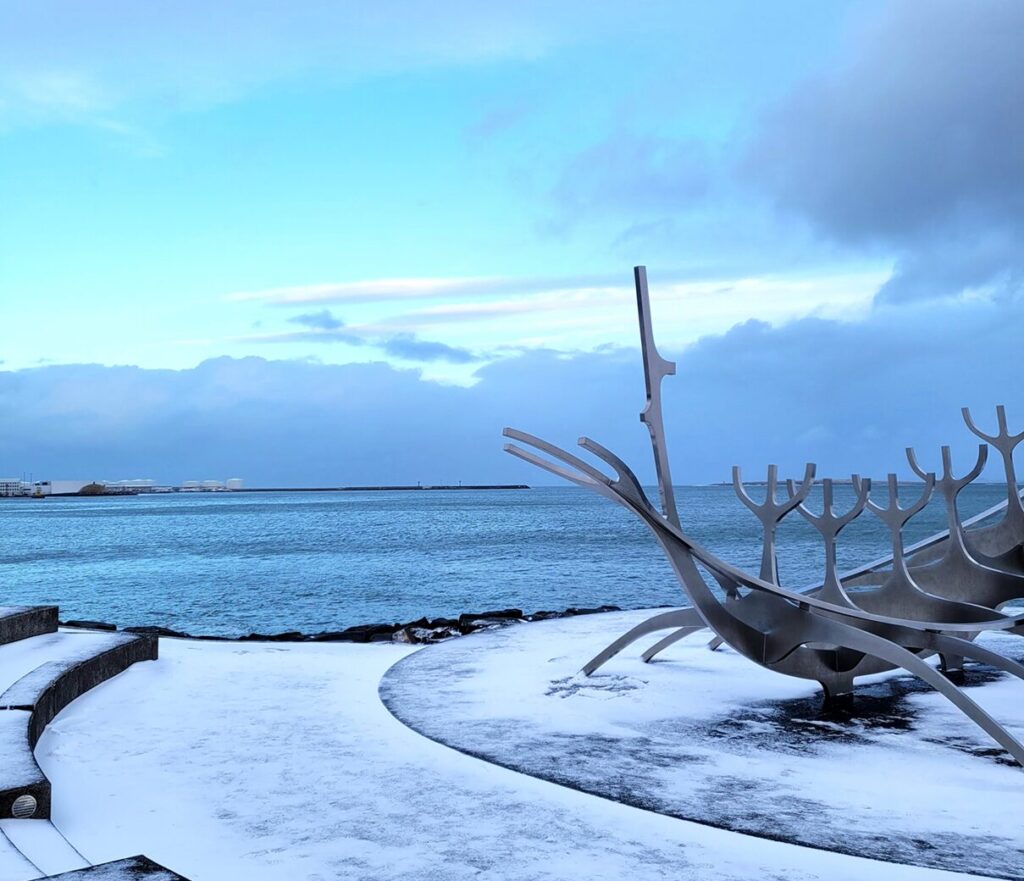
{"x": 61, "y": 487}
{"x": 234, "y": 483}
{"x": 11, "y": 486}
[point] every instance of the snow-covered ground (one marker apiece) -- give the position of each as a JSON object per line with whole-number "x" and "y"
{"x": 709, "y": 736}
{"x": 269, "y": 761}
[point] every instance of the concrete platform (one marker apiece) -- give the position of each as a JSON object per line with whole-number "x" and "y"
{"x": 709, "y": 737}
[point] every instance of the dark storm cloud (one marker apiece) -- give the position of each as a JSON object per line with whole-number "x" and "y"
{"x": 915, "y": 141}
{"x": 849, "y": 396}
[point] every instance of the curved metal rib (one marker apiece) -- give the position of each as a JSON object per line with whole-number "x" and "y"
{"x": 671, "y": 640}
{"x": 1005, "y": 443}
{"x": 721, "y": 569}
{"x": 794, "y": 633}
{"x": 896, "y": 517}
{"x": 838, "y": 626}
{"x": 686, "y": 618}
{"x": 829, "y": 525}
{"x": 882, "y": 648}
{"x": 771, "y": 512}
{"x": 962, "y": 648}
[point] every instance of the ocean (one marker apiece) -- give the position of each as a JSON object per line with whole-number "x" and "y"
{"x": 235, "y": 563}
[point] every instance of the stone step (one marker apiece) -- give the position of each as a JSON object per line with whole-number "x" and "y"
{"x": 14, "y": 865}
{"x": 28, "y": 705}
{"x": 41, "y": 843}
{"x": 17, "y": 659}
{"x": 23, "y": 622}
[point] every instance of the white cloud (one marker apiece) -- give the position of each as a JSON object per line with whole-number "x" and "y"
{"x": 64, "y": 54}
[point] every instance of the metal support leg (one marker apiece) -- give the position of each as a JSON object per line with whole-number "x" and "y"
{"x": 671, "y": 639}
{"x": 665, "y": 621}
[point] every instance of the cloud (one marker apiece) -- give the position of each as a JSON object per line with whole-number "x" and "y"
{"x": 409, "y": 348}
{"x": 396, "y": 289}
{"x": 325, "y": 327}
{"x": 638, "y": 174}
{"x": 58, "y": 56}
{"x": 849, "y": 395}
{"x": 322, "y": 320}
{"x": 914, "y": 141}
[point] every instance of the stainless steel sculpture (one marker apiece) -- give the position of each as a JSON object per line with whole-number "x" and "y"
{"x": 826, "y": 634}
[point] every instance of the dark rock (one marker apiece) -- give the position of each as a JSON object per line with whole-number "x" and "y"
{"x": 157, "y": 631}
{"x": 360, "y": 633}
{"x": 419, "y": 631}
{"x": 502, "y": 613}
{"x": 89, "y": 625}
{"x": 571, "y": 612}
{"x": 333, "y": 636}
{"x": 288, "y": 636}
{"x": 443, "y": 622}
{"x": 419, "y": 622}
{"x": 471, "y": 625}
{"x": 417, "y": 635}
{"x": 466, "y": 621}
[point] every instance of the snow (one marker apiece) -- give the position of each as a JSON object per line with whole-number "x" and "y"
{"x": 14, "y": 866}
{"x": 43, "y": 845}
{"x": 26, "y": 668}
{"x": 709, "y": 736}
{"x": 17, "y": 767}
{"x": 279, "y": 761}
{"x": 18, "y": 659}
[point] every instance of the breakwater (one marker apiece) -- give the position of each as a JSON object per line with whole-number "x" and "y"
{"x": 382, "y": 488}
{"x": 422, "y": 630}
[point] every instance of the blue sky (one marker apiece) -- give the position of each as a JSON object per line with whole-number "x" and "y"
{"x": 433, "y": 199}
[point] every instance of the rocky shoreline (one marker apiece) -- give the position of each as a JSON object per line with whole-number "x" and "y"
{"x": 422, "y": 630}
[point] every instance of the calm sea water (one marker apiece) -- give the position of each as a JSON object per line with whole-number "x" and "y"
{"x": 236, "y": 563}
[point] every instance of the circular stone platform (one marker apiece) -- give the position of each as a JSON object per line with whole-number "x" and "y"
{"x": 710, "y": 737}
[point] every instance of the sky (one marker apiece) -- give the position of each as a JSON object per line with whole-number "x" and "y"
{"x": 316, "y": 243}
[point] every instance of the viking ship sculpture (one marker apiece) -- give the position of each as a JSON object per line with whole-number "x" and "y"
{"x": 933, "y": 598}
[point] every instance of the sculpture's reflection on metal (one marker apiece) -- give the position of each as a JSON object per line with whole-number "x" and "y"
{"x": 797, "y": 634}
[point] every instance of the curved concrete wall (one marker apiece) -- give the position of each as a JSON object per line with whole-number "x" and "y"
{"x": 32, "y": 702}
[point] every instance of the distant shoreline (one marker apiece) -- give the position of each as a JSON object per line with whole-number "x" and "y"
{"x": 121, "y": 493}
{"x": 356, "y": 489}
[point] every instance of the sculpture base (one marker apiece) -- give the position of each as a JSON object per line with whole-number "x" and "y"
{"x": 897, "y": 775}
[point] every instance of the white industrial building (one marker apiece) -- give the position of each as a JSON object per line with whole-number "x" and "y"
{"x": 12, "y": 486}
{"x": 61, "y": 487}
